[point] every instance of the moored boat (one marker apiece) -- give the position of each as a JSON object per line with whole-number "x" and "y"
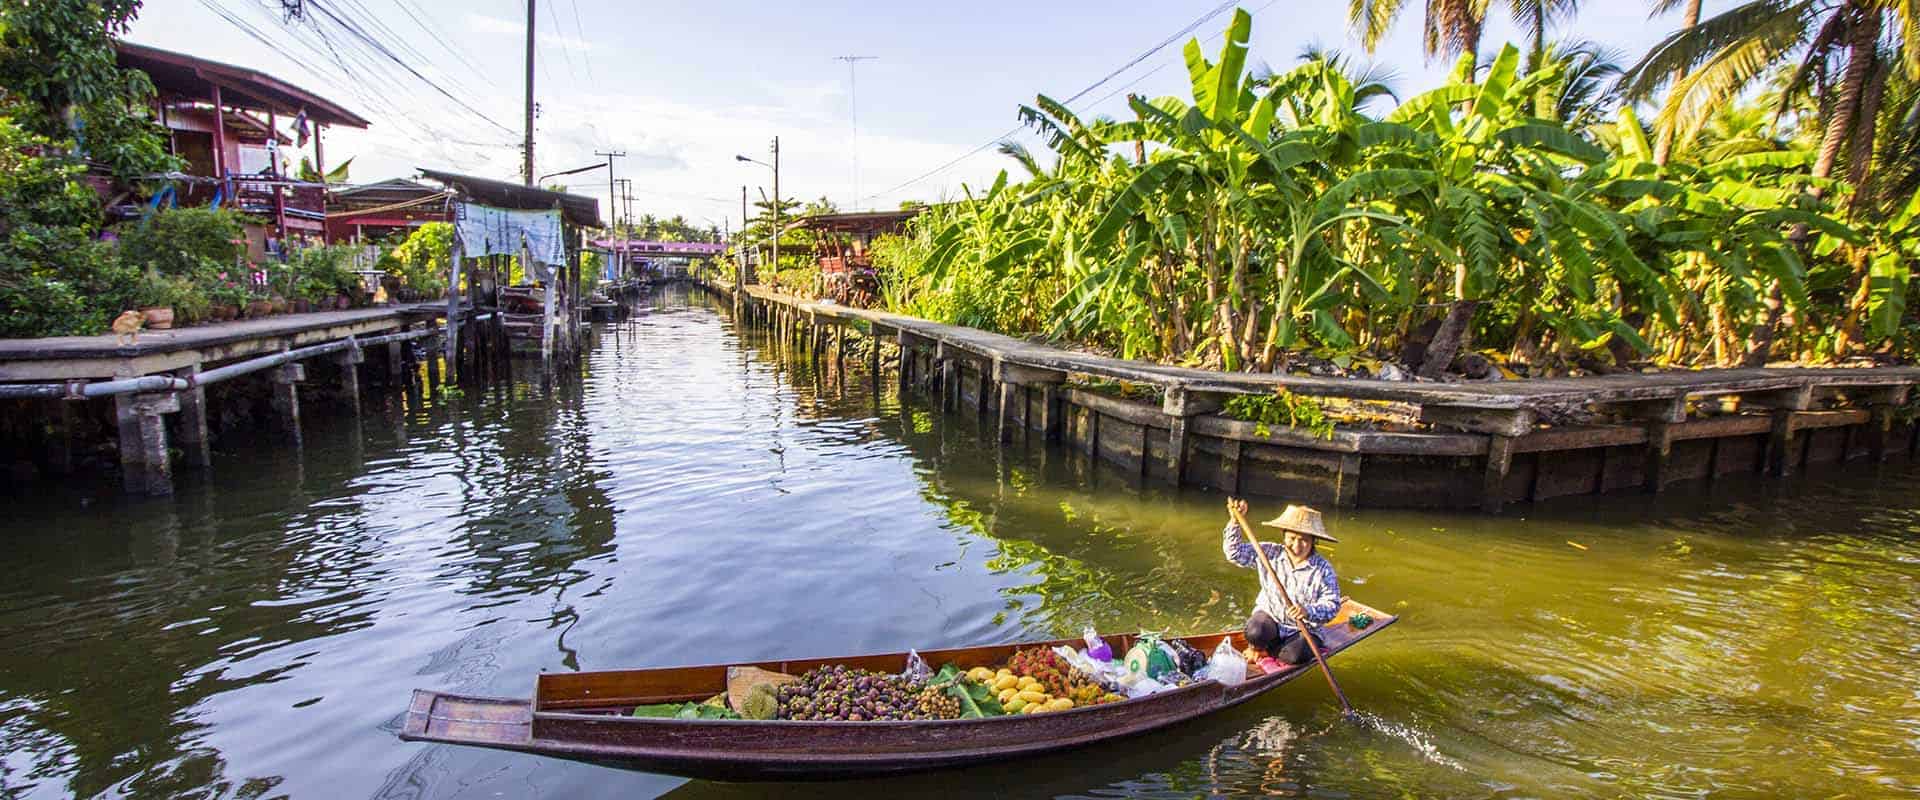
{"x": 586, "y": 716}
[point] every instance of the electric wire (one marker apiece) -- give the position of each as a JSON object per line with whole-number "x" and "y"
{"x": 1216, "y": 11}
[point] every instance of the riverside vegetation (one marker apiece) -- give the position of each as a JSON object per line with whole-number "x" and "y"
{"x": 1521, "y": 209}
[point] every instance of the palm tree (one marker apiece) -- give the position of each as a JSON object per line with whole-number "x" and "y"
{"x": 1453, "y": 27}
{"x": 1715, "y": 60}
{"x": 1663, "y": 143}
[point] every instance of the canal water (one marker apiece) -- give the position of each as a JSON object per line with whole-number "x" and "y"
{"x": 695, "y": 496}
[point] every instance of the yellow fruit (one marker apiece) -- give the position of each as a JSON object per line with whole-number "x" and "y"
{"x": 1007, "y": 694}
{"x": 1028, "y": 682}
{"x": 1003, "y": 673}
{"x": 1034, "y": 708}
{"x": 1032, "y": 696}
{"x": 1059, "y": 704}
{"x": 1005, "y": 682}
{"x": 979, "y": 674}
{"x": 1015, "y": 705}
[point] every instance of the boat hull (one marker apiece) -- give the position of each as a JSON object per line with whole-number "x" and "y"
{"x": 560, "y": 723}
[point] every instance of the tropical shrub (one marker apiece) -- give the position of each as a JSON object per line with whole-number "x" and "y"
{"x": 423, "y": 260}
{"x": 1263, "y": 218}
{"x": 195, "y": 243}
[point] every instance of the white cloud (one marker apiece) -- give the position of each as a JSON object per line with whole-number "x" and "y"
{"x": 482, "y": 23}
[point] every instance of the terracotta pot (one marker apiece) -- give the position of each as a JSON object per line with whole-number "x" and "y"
{"x": 259, "y": 308}
{"x": 229, "y": 312}
{"x": 159, "y": 318}
{"x": 279, "y": 304}
{"x": 301, "y": 306}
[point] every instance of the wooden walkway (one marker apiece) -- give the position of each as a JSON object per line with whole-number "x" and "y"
{"x": 1490, "y": 420}
{"x": 69, "y": 357}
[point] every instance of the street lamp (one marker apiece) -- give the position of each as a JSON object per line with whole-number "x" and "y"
{"x": 775, "y": 166}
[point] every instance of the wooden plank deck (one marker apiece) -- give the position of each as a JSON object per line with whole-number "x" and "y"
{"x": 1492, "y": 395}
{"x": 65, "y": 357}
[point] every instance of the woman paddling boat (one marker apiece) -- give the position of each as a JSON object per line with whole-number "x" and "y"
{"x": 1305, "y": 576}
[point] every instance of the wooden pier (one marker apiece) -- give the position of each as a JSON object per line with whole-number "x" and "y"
{"x": 165, "y": 374}
{"x": 1484, "y": 444}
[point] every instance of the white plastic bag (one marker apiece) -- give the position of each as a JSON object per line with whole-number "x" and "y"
{"x": 1227, "y": 666}
{"x": 917, "y": 670}
{"x": 1144, "y": 686}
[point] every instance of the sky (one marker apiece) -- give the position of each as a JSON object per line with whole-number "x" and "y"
{"x": 682, "y": 88}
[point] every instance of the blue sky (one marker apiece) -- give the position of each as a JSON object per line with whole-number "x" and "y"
{"x": 682, "y": 87}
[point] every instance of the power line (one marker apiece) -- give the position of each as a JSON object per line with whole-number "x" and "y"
{"x": 1217, "y": 11}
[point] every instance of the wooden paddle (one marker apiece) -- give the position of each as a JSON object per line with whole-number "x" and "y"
{"x": 1233, "y": 508}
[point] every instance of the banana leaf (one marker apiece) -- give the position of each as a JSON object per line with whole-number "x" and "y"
{"x": 976, "y": 699}
{"x": 685, "y": 711}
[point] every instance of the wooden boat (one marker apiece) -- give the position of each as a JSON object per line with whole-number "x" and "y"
{"x": 586, "y": 716}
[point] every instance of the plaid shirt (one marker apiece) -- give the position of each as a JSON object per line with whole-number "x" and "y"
{"x": 1311, "y": 584}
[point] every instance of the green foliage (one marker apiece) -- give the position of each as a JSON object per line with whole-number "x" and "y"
{"x": 322, "y": 273}
{"x": 55, "y": 279}
{"x": 1283, "y": 409}
{"x": 57, "y": 56}
{"x": 422, "y": 261}
{"x": 193, "y": 243}
{"x": 1255, "y": 219}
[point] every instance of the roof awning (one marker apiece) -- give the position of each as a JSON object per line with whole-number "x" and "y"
{"x": 240, "y": 87}
{"x": 581, "y": 211}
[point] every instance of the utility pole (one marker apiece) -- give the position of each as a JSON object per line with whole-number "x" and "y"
{"x": 626, "y": 207}
{"x": 742, "y": 275}
{"x": 528, "y": 169}
{"x": 776, "y": 205}
{"x": 853, "y": 117}
{"x": 613, "y": 211}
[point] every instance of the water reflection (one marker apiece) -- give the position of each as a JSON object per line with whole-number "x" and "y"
{"x": 698, "y": 493}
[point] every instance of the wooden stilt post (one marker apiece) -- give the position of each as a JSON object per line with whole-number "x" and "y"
{"x": 192, "y": 422}
{"x": 453, "y": 309}
{"x": 982, "y": 391}
{"x": 1230, "y": 463}
{"x": 286, "y": 400}
{"x": 904, "y": 375}
{"x": 156, "y": 465}
{"x": 1780, "y": 437}
{"x": 1346, "y": 489}
{"x": 133, "y": 476}
{"x": 1493, "y": 483}
{"x": 59, "y": 436}
{"x": 1049, "y": 412}
{"x": 349, "y": 361}
{"x": 1005, "y": 432}
{"x": 1880, "y": 406}
{"x": 1176, "y": 450}
{"x": 1182, "y": 405}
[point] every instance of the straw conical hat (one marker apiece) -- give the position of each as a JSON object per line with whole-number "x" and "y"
{"x": 1301, "y": 519}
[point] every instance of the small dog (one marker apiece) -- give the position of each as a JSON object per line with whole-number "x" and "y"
{"x": 126, "y": 327}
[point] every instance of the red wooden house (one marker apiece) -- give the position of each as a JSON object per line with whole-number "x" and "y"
{"x": 241, "y": 132}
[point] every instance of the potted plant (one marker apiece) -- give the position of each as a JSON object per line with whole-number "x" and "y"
{"x": 227, "y": 297}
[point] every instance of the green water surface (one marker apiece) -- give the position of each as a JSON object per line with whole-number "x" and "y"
{"x": 695, "y": 496}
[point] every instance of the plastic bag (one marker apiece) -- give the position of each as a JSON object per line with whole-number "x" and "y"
{"x": 917, "y": 670}
{"x": 1108, "y": 674}
{"x": 1097, "y": 648}
{"x": 1143, "y": 687}
{"x": 1227, "y": 666}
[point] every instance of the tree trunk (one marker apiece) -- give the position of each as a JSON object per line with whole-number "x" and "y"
{"x": 1863, "y": 34}
{"x": 1447, "y": 341}
{"x": 1663, "y": 143}
{"x": 1860, "y": 174}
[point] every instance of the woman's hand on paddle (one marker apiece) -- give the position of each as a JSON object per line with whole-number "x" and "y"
{"x": 1236, "y": 508}
{"x": 1299, "y": 616}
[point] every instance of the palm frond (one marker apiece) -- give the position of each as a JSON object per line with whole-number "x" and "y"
{"x": 1688, "y": 47}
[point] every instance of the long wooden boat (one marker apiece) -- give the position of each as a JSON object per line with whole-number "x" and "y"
{"x": 586, "y": 716}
